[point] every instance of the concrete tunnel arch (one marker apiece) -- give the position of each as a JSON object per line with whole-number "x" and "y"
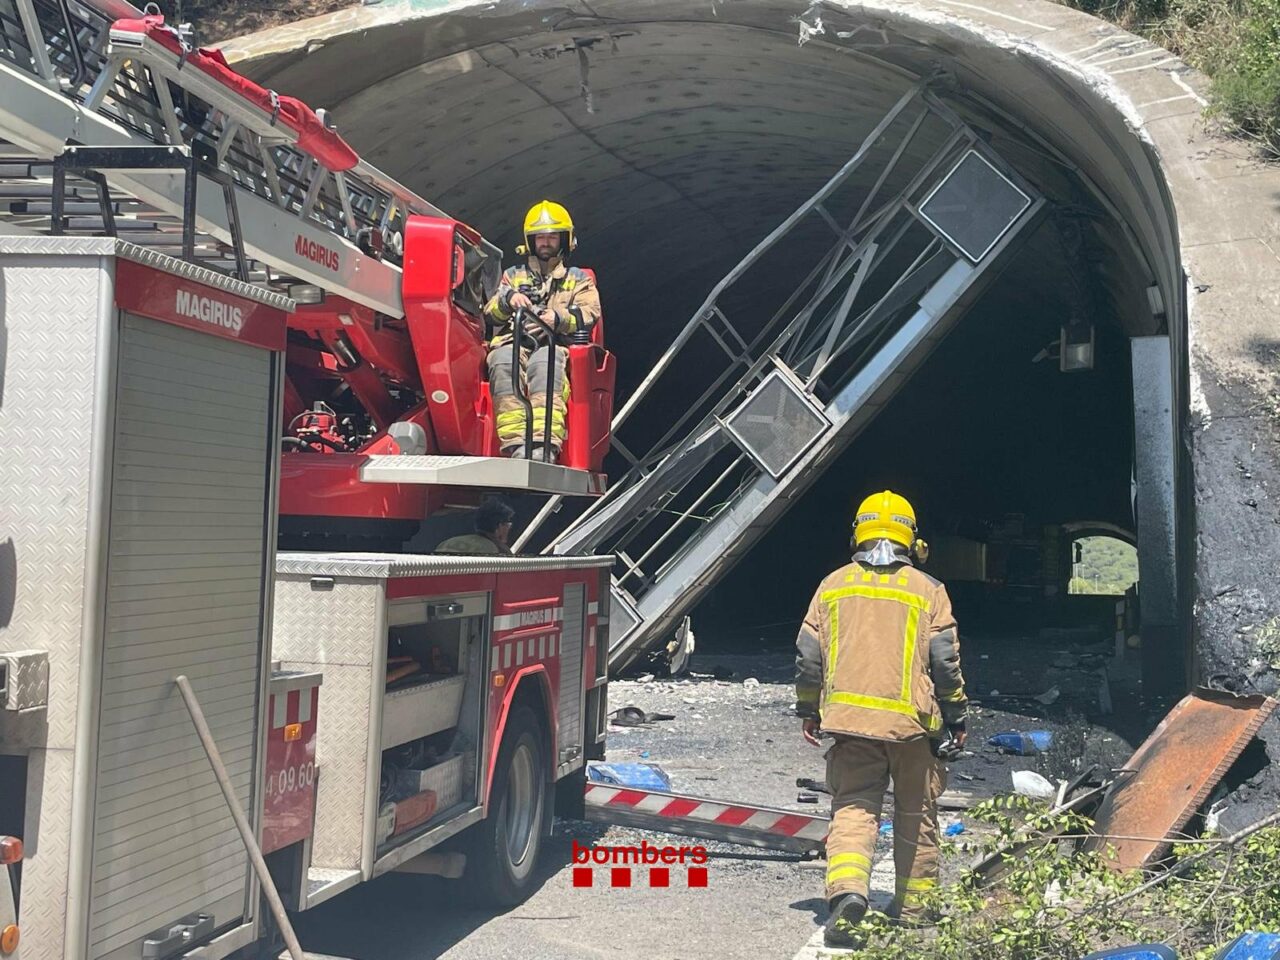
{"x": 680, "y": 132}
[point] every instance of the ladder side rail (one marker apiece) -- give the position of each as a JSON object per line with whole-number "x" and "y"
{"x": 830, "y": 263}
{"x": 888, "y": 305}
{"x": 42, "y": 122}
{"x": 764, "y": 246}
{"x": 688, "y": 513}
{"x": 36, "y": 45}
{"x": 894, "y": 297}
{"x": 379, "y": 201}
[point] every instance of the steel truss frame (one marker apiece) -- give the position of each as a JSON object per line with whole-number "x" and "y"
{"x": 875, "y": 297}
{"x": 70, "y": 79}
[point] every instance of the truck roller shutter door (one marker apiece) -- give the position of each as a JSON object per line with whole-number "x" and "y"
{"x": 570, "y": 707}
{"x": 185, "y": 579}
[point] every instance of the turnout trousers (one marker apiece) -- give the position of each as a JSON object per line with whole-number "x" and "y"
{"x": 858, "y": 773}
{"x": 508, "y": 408}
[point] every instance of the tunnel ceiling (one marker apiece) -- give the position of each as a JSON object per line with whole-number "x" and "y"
{"x": 442, "y": 93}
{"x": 677, "y": 134}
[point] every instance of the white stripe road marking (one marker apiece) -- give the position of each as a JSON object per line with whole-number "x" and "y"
{"x": 279, "y": 710}
{"x": 304, "y": 704}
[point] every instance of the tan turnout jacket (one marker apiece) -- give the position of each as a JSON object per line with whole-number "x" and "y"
{"x": 878, "y": 654}
{"x": 569, "y": 292}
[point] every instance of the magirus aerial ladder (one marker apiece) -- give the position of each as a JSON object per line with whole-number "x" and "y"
{"x": 780, "y": 376}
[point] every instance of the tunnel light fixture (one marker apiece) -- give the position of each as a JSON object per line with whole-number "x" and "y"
{"x": 1076, "y": 347}
{"x": 974, "y": 205}
{"x": 777, "y": 423}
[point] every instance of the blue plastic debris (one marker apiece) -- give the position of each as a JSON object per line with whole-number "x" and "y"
{"x": 1143, "y": 951}
{"x": 1252, "y": 946}
{"x": 954, "y": 830}
{"x": 642, "y": 776}
{"x": 886, "y": 828}
{"x": 644, "y": 754}
{"x": 1023, "y": 742}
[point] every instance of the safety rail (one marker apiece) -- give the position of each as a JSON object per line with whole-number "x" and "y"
{"x": 121, "y": 65}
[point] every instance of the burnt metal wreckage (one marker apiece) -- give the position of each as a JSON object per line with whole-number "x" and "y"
{"x": 1141, "y": 810}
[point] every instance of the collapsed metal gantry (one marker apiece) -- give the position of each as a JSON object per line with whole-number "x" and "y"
{"x": 892, "y": 249}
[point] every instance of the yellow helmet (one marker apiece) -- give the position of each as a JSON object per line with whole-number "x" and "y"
{"x": 547, "y": 216}
{"x": 885, "y": 516}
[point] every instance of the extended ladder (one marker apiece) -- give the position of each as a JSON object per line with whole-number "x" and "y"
{"x": 906, "y": 234}
{"x": 100, "y": 73}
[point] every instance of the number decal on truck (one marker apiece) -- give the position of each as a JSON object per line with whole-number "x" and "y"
{"x": 291, "y": 779}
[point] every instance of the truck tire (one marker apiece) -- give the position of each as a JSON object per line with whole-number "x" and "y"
{"x": 503, "y": 854}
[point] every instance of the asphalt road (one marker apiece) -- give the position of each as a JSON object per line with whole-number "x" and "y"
{"x": 731, "y": 740}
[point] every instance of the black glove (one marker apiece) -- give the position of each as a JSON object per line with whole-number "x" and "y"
{"x": 950, "y": 748}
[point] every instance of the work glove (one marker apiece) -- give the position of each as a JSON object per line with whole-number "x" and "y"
{"x": 951, "y": 748}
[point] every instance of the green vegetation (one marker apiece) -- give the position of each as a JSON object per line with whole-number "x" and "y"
{"x": 1107, "y": 567}
{"x": 1056, "y": 902}
{"x": 1235, "y": 42}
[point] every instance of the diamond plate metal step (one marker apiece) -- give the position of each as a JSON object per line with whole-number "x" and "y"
{"x": 324, "y": 884}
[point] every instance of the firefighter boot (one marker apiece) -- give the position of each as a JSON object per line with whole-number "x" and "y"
{"x": 846, "y": 913}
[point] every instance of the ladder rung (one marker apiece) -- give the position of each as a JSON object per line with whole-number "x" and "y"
{"x": 69, "y": 208}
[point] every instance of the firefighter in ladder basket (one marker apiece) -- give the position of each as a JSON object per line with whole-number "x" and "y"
{"x": 878, "y": 668}
{"x": 548, "y": 302}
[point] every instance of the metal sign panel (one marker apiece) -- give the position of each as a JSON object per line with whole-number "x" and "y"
{"x": 974, "y": 205}
{"x": 776, "y": 424}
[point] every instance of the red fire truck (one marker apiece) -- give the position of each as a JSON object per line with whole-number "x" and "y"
{"x": 224, "y": 331}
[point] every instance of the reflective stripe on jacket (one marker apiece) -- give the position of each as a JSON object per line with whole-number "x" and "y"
{"x": 569, "y": 292}
{"x": 879, "y": 654}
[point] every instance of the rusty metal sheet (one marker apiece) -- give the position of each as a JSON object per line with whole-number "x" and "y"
{"x": 1174, "y": 772}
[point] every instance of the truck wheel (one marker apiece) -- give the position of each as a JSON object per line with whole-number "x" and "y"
{"x": 504, "y": 851}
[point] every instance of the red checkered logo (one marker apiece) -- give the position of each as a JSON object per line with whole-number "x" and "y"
{"x": 645, "y": 865}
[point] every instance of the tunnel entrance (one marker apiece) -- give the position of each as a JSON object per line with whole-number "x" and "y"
{"x": 680, "y": 141}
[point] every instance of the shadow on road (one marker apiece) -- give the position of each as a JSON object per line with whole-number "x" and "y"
{"x": 411, "y": 917}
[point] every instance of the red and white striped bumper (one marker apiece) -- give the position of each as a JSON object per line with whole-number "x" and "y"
{"x": 744, "y": 823}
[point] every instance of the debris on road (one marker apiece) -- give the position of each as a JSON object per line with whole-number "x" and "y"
{"x": 1022, "y": 743}
{"x": 635, "y": 717}
{"x": 1031, "y": 784}
{"x": 1174, "y": 773}
{"x": 643, "y": 776}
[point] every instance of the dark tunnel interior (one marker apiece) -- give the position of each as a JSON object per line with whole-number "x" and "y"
{"x": 982, "y": 432}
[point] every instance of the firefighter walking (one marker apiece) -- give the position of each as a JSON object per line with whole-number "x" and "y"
{"x": 562, "y": 300}
{"x": 878, "y": 668}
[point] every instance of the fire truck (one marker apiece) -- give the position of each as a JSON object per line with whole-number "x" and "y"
{"x": 243, "y": 394}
